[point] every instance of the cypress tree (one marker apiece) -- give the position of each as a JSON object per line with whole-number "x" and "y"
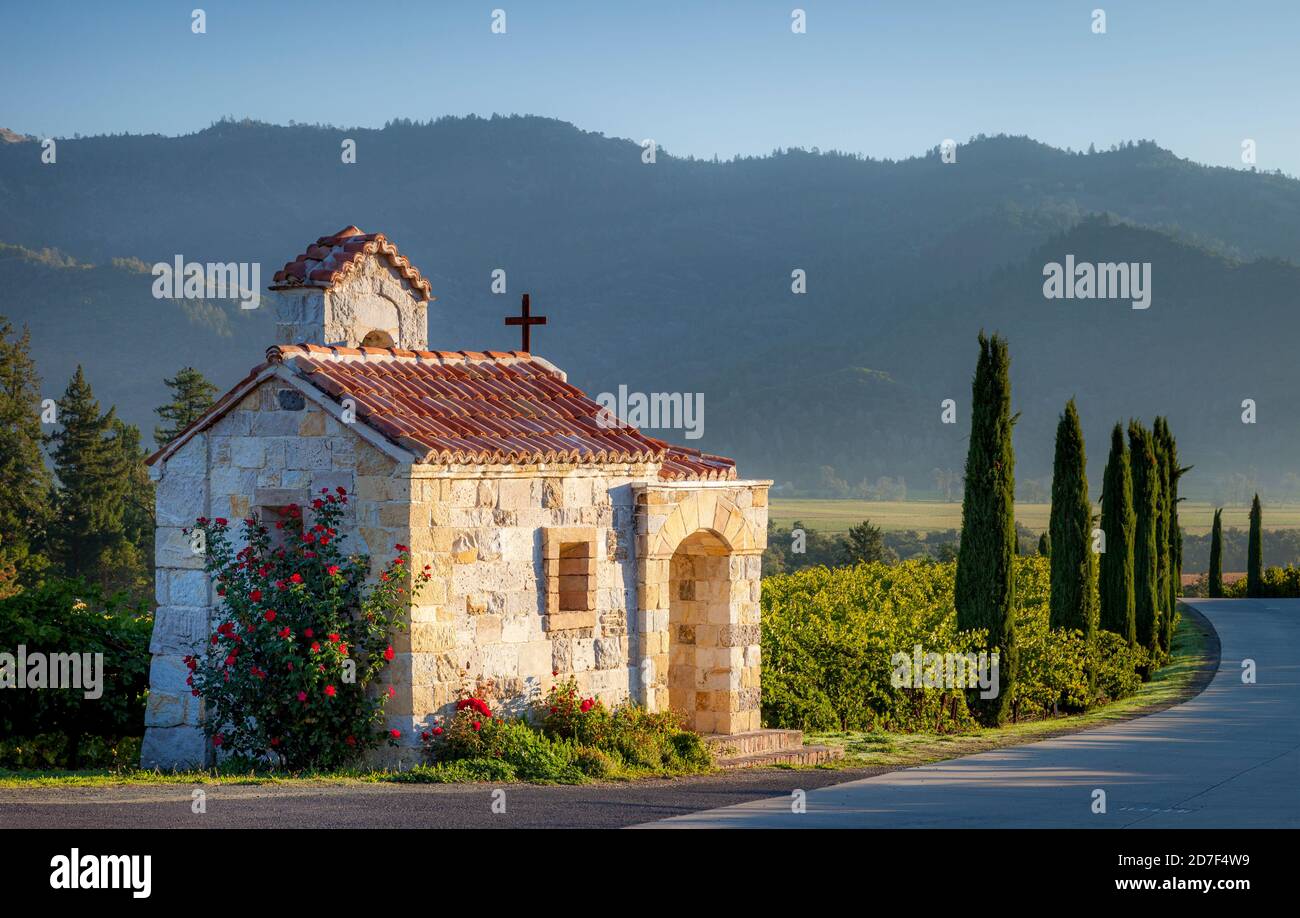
{"x": 984, "y": 590}
{"x": 1146, "y": 560}
{"x": 1045, "y": 544}
{"x": 1071, "y": 602}
{"x": 1118, "y": 521}
{"x": 1255, "y": 552}
{"x": 1216, "y": 556}
{"x": 24, "y": 479}
{"x": 1175, "y": 536}
{"x": 192, "y": 395}
{"x": 1163, "y": 549}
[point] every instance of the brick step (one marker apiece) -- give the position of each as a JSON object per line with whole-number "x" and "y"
{"x": 807, "y": 755}
{"x": 753, "y": 742}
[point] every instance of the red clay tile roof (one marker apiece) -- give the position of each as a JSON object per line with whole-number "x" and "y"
{"x": 331, "y": 258}
{"x": 485, "y": 407}
{"x": 475, "y": 407}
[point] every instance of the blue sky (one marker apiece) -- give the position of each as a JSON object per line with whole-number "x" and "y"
{"x": 886, "y": 79}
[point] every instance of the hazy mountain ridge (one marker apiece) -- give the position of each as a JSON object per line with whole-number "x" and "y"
{"x": 676, "y": 276}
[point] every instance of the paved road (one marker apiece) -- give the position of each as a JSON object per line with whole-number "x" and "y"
{"x": 1230, "y": 757}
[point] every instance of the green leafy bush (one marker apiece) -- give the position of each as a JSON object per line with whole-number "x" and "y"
{"x": 1116, "y": 667}
{"x": 61, "y": 727}
{"x": 829, "y": 636}
{"x": 1275, "y": 583}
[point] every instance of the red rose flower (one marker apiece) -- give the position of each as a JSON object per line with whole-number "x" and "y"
{"x": 395, "y": 733}
{"x": 332, "y": 569}
{"x": 269, "y": 615}
{"x": 477, "y": 725}
{"x": 302, "y": 696}
{"x": 389, "y": 654}
{"x": 331, "y": 691}
{"x": 437, "y": 731}
{"x": 308, "y": 633}
{"x": 255, "y": 596}
{"x": 296, "y": 578}
{"x": 220, "y": 521}
{"x": 218, "y": 740}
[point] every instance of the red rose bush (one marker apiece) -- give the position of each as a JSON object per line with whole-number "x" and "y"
{"x": 291, "y": 671}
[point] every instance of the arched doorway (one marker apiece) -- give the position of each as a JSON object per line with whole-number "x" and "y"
{"x": 699, "y": 612}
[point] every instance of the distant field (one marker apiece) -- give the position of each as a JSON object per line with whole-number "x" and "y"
{"x": 929, "y": 515}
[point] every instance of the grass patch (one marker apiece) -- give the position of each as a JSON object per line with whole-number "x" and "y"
{"x": 1192, "y": 653}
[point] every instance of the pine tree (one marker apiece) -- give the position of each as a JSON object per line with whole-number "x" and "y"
{"x": 984, "y": 591}
{"x": 24, "y": 479}
{"x": 1118, "y": 521}
{"x": 1071, "y": 602}
{"x": 864, "y": 543}
{"x": 192, "y": 395}
{"x": 1146, "y": 549}
{"x": 1216, "y": 556}
{"x": 88, "y": 524}
{"x": 1255, "y": 552}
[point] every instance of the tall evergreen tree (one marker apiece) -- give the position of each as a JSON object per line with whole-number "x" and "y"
{"x": 24, "y": 479}
{"x": 88, "y": 522}
{"x": 1071, "y": 602}
{"x": 1045, "y": 544}
{"x": 985, "y": 587}
{"x": 1146, "y": 549}
{"x": 1255, "y": 551}
{"x": 1118, "y": 521}
{"x": 1169, "y": 480}
{"x": 1163, "y": 545}
{"x": 1216, "y": 556}
{"x": 192, "y": 395}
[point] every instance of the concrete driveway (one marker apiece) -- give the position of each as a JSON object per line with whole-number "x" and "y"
{"x": 1228, "y": 758}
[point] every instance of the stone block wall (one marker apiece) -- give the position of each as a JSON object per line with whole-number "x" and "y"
{"x": 492, "y": 622}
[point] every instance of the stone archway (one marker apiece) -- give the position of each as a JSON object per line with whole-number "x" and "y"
{"x": 699, "y": 600}
{"x": 699, "y": 574}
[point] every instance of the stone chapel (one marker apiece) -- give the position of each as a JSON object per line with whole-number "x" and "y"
{"x": 559, "y": 542}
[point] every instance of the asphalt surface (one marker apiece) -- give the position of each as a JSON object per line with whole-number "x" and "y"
{"x": 1228, "y": 758}
{"x": 394, "y": 805}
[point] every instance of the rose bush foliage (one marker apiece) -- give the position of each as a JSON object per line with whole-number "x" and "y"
{"x": 291, "y": 672}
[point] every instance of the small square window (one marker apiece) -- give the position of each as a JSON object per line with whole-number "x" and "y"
{"x": 569, "y": 557}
